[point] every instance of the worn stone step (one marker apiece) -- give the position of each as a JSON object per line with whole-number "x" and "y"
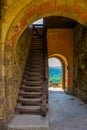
{"x": 33, "y": 73}
{"x": 31, "y": 88}
{"x": 36, "y": 58}
{"x": 31, "y": 101}
{"x": 28, "y": 109}
{"x": 32, "y": 81}
{"x": 36, "y": 53}
{"x": 36, "y": 66}
{"x": 36, "y": 62}
{"x": 37, "y": 47}
{"x": 30, "y": 94}
{"x": 34, "y": 70}
{"x": 32, "y": 77}
{"x": 37, "y": 39}
{"x": 38, "y": 43}
{"x": 37, "y": 50}
{"x": 39, "y": 53}
{"x": 26, "y": 77}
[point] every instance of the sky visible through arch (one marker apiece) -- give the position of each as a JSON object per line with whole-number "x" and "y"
{"x": 54, "y": 62}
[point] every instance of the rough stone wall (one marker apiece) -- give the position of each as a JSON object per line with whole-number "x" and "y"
{"x": 80, "y": 61}
{"x": 15, "y": 64}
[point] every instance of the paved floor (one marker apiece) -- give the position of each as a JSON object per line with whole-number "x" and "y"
{"x": 66, "y": 112}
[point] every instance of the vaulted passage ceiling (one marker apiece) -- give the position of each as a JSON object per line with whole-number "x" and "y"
{"x": 59, "y": 22}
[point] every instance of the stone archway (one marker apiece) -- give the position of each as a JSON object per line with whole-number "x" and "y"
{"x": 16, "y": 20}
{"x": 65, "y": 73}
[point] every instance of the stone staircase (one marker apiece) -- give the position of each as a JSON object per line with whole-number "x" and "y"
{"x": 32, "y": 96}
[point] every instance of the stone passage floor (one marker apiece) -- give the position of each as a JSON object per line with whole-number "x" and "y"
{"x": 66, "y": 112}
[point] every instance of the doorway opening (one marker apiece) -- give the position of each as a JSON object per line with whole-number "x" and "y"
{"x": 55, "y": 73}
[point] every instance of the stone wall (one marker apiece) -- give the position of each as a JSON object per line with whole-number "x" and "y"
{"x": 15, "y": 64}
{"x": 80, "y": 61}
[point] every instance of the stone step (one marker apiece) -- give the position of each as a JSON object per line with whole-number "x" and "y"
{"x": 31, "y": 88}
{"x": 32, "y": 78}
{"x": 36, "y": 66}
{"x": 28, "y": 122}
{"x": 36, "y": 53}
{"x": 37, "y": 39}
{"x": 35, "y": 50}
{"x": 39, "y": 68}
{"x": 33, "y": 73}
{"x": 37, "y": 47}
{"x": 34, "y": 70}
{"x": 39, "y": 63}
{"x": 36, "y": 63}
{"x": 26, "y": 77}
{"x": 36, "y": 58}
{"x": 37, "y": 42}
{"x": 28, "y": 109}
{"x": 30, "y": 94}
{"x": 32, "y": 83}
{"x": 31, "y": 101}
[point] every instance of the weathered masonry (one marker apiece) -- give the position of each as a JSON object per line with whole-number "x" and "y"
{"x": 66, "y": 39}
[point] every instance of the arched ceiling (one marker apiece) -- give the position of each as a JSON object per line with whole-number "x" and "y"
{"x": 19, "y": 14}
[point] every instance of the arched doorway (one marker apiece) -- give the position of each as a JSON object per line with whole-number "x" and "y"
{"x": 64, "y": 69}
{"x": 55, "y": 73}
{"x": 22, "y": 16}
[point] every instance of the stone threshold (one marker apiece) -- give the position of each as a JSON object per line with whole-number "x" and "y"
{"x": 28, "y": 122}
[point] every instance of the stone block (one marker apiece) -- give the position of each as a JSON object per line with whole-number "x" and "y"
{"x": 28, "y": 122}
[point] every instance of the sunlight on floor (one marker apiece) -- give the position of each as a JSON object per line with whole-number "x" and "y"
{"x": 55, "y": 89}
